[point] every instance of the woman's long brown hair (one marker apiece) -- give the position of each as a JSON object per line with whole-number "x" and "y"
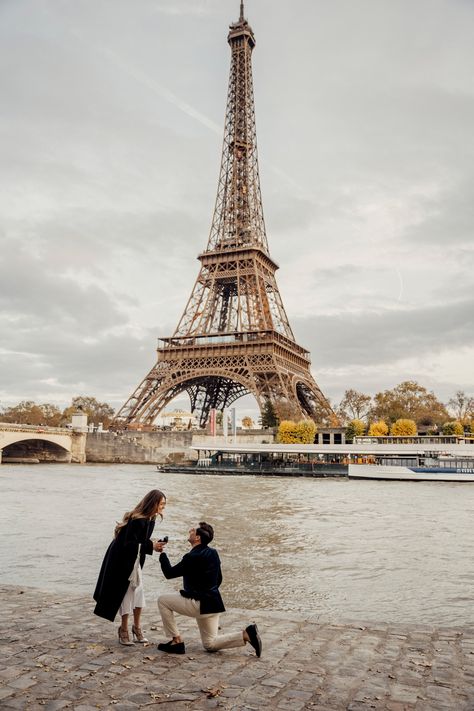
{"x": 146, "y": 508}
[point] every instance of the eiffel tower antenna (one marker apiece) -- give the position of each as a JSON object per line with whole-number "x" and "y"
{"x": 234, "y": 337}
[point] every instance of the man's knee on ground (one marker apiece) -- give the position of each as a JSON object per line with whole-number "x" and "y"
{"x": 210, "y": 645}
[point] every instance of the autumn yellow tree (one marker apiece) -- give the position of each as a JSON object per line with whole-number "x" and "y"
{"x": 378, "y": 429}
{"x": 306, "y": 430}
{"x": 355, "y": 428}
{"x": 286, "y": 432}
{"x": 290, "y": 432}
{"x": 247, "y": 422}
{"x": 403, "y": 428}
{"x": 453, "y": 428}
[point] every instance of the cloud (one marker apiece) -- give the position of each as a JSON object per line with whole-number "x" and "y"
{"x": 185, "y": 7}
{"x": 449, "y": 221}
{"x": 51, "y": 297}
{"x": 383, "y": 337}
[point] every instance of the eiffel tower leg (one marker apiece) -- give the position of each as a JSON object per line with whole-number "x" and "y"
{"x": 313, "y": 402}
{"x": 294, "y": 396}
{"x": 276, "y": 389}
{"x": 135, "y": 408}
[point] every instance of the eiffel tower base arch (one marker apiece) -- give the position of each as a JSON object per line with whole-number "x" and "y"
{"x": 215, "y": 381}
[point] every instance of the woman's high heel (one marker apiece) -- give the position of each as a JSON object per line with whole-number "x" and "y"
{"x": 124, "y": 638}
{"x": 138, "y": 635}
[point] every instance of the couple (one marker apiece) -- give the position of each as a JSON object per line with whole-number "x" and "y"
{"x": 200, "y": 570}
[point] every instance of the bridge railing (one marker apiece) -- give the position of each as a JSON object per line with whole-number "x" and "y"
{"x": 10, "y": 427}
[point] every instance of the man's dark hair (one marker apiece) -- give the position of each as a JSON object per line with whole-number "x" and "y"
{"x": 206, "y": 532}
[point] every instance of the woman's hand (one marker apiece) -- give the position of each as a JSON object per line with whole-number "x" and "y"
{"x": 158, "y": 546}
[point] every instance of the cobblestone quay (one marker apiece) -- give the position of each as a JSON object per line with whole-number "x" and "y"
{"x": 55, "y": 654}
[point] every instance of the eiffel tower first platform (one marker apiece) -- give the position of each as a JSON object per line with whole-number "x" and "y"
{"x": 234, "y": 337}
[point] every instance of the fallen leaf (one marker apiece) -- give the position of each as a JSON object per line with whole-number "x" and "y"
{"x": 212, "y": 693}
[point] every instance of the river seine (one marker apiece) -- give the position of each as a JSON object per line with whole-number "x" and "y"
{"x": 335, "y": 549}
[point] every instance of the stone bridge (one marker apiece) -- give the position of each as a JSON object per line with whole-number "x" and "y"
{"x": 35, "y": 443}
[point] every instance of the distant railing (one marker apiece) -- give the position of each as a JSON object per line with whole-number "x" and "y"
{"x": 416, "y": 439}
{"x": 11, "y": 427}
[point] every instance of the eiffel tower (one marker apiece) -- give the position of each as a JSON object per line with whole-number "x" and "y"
{"x": 234, "y": 337}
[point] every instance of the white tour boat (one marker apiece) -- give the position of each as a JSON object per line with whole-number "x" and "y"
{"x": 450, "y": 465}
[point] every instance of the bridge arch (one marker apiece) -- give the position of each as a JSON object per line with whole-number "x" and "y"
{"x": 50, "y": 444}
{"x": 30, "y": 448}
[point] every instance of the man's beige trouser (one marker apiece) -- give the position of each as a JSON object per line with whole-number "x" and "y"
{"x": 208, "y": 625}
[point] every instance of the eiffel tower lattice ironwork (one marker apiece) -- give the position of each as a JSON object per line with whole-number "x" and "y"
{"x": 234, "y": 337}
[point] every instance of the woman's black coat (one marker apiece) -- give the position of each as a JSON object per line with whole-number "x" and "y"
{"x": 118, "y": 564}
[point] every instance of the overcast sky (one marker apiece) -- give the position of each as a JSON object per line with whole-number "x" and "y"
{"x": 111, "y": 117}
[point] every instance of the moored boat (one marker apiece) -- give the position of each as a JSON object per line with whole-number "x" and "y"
{"x": 448, "y": 469}
{"x": 432, "y": 458}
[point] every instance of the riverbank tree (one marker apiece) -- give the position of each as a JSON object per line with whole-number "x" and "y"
{"x": 96, "y": 411}
{"x": 403, "y": 427}
{"x": 462, "y": 407}
{"x": 409, "y": 400}
{"x": 355, "y": 428}
{"x": 378, "y": 429}
{"x": 354, "y": 406}
{"x": 453, "y": 428}
{"x": 268, "y": 416}
{"x": 302, "y": 432}
{"x": 28, "y": 412}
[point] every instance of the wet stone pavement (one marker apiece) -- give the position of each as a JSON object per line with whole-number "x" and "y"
{"x": 55, "y": 654}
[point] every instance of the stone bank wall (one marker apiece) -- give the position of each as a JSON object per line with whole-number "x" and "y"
{"x": 139, "y": 447}
{"x": 203, "y": 439}
{"x": 162, "y": 447}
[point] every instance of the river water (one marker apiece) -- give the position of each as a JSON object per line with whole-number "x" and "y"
{"x": 336, "y": 549}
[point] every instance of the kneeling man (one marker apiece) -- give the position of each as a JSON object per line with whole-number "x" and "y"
{"x": 200, "y": 597}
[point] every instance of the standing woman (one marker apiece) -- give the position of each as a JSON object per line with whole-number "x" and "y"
{"x": 113, "y": 592}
